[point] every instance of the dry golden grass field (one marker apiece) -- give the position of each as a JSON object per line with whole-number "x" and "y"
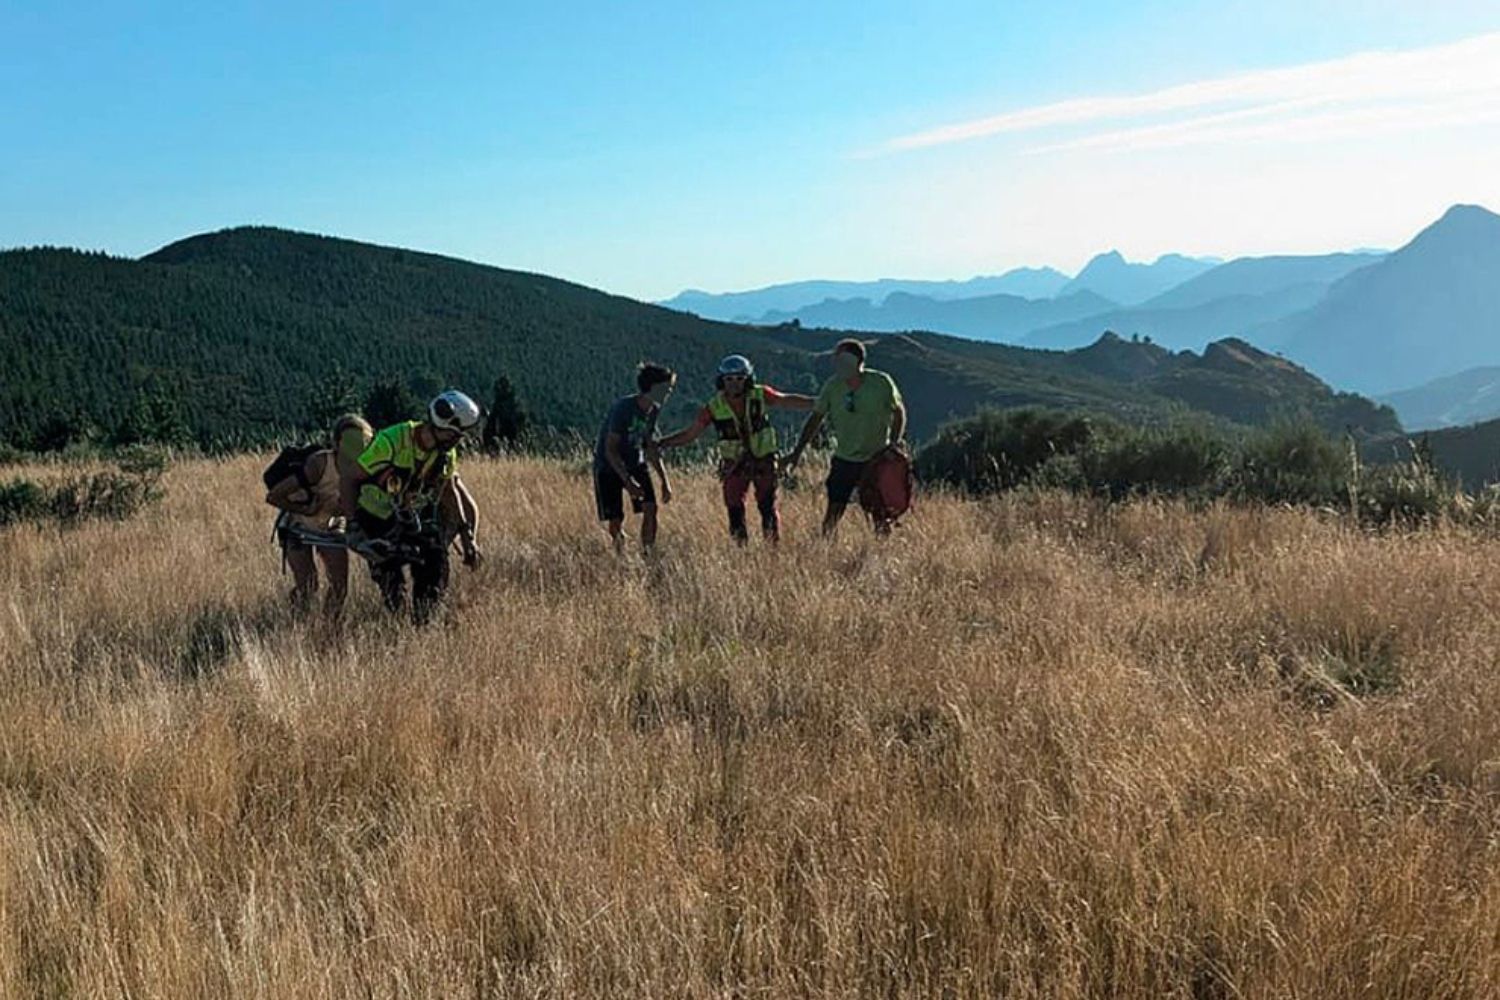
{"x": 1033, "y": 747}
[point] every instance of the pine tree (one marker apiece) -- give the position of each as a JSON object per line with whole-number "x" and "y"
{"x": 155, "y": 417}
{"x": 333, "y": 395}
{"x": 390, "y": 402}
{"x": 507, "y": 421}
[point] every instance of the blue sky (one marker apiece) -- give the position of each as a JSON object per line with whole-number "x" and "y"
{"x": 648, "y": 147}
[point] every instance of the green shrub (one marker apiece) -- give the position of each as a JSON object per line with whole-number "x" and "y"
{"x": 20, "y": 500}
{"x": 1408, "y": 493}
{"x": 114, "y": 494}
{"x": 999, "y": 450}
{"x": 1293, "y": 463}
{"x": 1181, "y": 460}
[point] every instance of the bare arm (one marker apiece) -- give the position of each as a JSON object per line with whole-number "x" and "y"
{"x": 687, "y": 435}
{"x": 350, "y": 483}
{"x": 617, "y": 462}
{"x": 792, "y": 401}
{"x": 898, "y": 423}
{"x": 653, "y": 455}
{"x": 458, "y": 510}
{"x": 458, "y": 506}
{"x": 809, "y": 431}
{"x": 613, "y": 457}
{"x": 289, "y": 494}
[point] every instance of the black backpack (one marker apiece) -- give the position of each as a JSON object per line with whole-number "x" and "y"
{"x": 291, "y": 461}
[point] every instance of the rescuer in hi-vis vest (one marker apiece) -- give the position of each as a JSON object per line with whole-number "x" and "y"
{"x": 739, "y": 411}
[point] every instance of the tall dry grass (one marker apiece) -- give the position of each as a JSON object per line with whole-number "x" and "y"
{"x": 1033, "y": 747}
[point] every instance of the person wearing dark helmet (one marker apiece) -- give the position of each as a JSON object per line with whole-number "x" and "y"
{"x": 405, "y": 503}
{"x": 740, "y": 412}
{"x": 864, "y": 410}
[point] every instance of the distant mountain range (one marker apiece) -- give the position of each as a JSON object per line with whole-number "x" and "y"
{"x": 242, "y": 334}
{"x": 1127, "y": 284}
{"x": 1466, "y": 398}
{"x": 753, "y": 306}
{"x": 1372, "y": 321}
{"x": 1428, "y": 310}
{"x": 1231, "y": 300}
{"x": 1263, "y": 276}
{"x": 1002, "y": 318}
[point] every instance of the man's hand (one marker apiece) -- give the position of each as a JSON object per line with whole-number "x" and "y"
{"x": 471, "y": 554}
{"x": 666, "y": 491}
{"x": 633, "y": 488}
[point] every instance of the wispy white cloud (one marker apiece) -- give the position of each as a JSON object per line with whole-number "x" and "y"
{"x": 1370, "y": 93}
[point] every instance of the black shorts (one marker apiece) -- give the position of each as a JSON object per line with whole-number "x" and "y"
{"x": 843, "y": 479}
{"x": 609, "y": 492}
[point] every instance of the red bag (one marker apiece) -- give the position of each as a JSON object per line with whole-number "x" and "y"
{"x": 886, "y": 488}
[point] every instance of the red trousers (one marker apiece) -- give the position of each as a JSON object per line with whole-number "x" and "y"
{"x": 738, "y": 478}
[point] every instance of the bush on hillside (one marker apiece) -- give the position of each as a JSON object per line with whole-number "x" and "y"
{"x": 1179, "y": 461}
{"x": 113, "y": 494}
{"x": 999, "y": 450}
{"x": 1408, "y": 493}
{"x": 1293, "y": 463}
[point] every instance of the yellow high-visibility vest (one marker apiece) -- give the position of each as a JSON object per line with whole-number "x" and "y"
{"x": 760, "y": 434}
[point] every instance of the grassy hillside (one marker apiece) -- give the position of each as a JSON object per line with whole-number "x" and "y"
{"x": 1470, "y": 453}
{"x": 243, "y": 331}
{"x": 1031, "y": 748}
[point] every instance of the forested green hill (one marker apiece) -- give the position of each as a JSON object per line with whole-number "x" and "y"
{"x": 240, "y": 335}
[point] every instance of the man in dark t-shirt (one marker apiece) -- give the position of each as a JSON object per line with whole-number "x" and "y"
{"x": 626, "y": 446}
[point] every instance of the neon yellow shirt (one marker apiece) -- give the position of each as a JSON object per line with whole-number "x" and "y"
{"x": 402, "y": 475}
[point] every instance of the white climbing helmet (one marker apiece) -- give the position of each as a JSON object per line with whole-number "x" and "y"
{"x": 453, "y": 410}
{"x": 737, "y": 364}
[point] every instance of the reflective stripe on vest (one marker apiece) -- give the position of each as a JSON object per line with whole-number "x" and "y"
{"x": 762, "y": 435}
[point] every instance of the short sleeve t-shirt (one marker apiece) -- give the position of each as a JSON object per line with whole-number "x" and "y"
{"x": 401, "y": 473}
{"x": 859, "y": 418}
{"x": 636, "y": 428}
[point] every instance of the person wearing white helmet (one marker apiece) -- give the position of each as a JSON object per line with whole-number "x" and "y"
{"x": 740, "y": 412}
{"x": 405, "y": 503}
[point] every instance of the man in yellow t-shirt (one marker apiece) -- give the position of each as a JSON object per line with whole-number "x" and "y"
{"x": 863, "y": 409}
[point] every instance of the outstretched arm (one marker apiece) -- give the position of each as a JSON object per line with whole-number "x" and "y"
{"x": 688, "y": 434}
{"x": 791, "y": 401}
{"x": 809, "y": 431}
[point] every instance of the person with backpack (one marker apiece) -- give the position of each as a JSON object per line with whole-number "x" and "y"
{"x": 303, "y": 484}
{"x": 626, "y": 444}
{"x": 864, "y": 410}
{"x": 406, "y": 504}
{"x": 740, "y": 412}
